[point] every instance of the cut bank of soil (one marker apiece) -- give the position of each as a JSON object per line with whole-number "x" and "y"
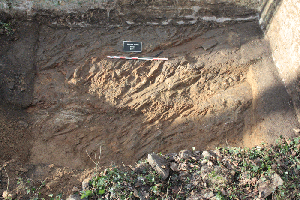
{"x": 73, "y": 100}
{"x": 83, "y": 100}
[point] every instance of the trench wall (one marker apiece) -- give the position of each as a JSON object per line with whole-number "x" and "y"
{"x": 280, "y": 19}
{"x": 149, "y": 12}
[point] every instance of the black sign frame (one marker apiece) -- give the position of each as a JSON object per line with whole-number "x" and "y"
{"x": 129, "y": 46}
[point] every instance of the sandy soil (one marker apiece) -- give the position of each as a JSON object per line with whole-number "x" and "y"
{"x": 62, "y": 99}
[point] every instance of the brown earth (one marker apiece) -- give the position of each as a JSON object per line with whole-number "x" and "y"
{"x": 63, "y": 100}
{"x": 83, "y": 100}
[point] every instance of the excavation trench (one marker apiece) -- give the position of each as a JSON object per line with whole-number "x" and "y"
{"x": 62, "y": 99}
{"x": 77, "y": 100}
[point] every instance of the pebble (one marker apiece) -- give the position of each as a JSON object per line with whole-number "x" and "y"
{"x": 185, "y": 154}
{"x": 6, "y": 195}
{"x": 22, "y": 124}
{"x": 206, "y": 154}
{"x": 74, "y": 197}
{"x": 174, "y": 167}
{"x": 85, "y": 184}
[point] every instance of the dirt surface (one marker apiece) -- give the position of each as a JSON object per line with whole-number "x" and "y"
{"x": 62, "y": 99}
{"x": 83, "y": 100}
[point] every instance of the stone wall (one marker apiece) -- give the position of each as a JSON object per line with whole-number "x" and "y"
{"x": 281, "y": 22}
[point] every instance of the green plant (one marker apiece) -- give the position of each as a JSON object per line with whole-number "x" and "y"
{"x": 112, "y": 181}
{"x": 96, "y": 161}
{"x": 7, "y": 27}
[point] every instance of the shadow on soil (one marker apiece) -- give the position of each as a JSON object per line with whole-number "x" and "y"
{"x": 126, "y": 134}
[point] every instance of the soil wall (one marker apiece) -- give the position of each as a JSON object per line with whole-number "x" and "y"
{"x": 281, "y": 22}
{"x": 219, "y": 88}
{"x": 150, "y": 12}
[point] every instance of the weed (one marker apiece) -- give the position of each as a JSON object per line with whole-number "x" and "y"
{"x": 7, "y": 28}
{"x": 246, "y": 169}
{"x": 96, "y": 161}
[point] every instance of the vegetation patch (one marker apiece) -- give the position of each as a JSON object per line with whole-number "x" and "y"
{"x": 6, "y": 28}
{"x": 263, "y": 172}
{"x": 226, "y": 173}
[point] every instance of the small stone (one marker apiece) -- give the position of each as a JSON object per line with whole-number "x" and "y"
{"x": 297, "y": 130}
{"x": 159, "y": 164}
{"x": 11, "y": 85}
{"x": 185, "y": 154}
{"x": 74, "y": 197}
{"x": 276, "y": 180}
{"x": 141, "y": 194}
{"x": 171, "y": 156}
{"x": 232, "y": 172}
{"x": 206, "y": 154}
{"x": 229, "y": 80}
{"x": 23, "y": 88}
{"x": 136, "y": 193}
{"x": 6, "y": 195}
{"x": 209, "y": 163}
{"x": 266, "y": 187}
{"x": 204, "y": 162}
{"x": 217, "y": 152}
{"x": 208, "y": 195}
{"x": 182, "y": 167}
{"x": 199, "y": 65}
{"x": 23, "y": 170}
{"x": 197, "y": 152}
{"x": 85, "y": 184}
{"x": 174, "y": 167}
{"x": 22, "y": 124}
{"x": 183, "y": 175}
{"x": 140, "y": 168}
{"x": 195, "y": 196}
{"x": 92, "y": 69}
{"x": 75, "y": 189}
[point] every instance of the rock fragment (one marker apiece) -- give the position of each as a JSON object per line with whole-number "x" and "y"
{"x": 85, "y": 184}
{"x": 174, "y": 167}
{"x": 22, "y": 124}
{"x": 206, "y": 154}
{"x": 141, "y": 194}
{"x": 266, "y": 187}
{"x": 209, "y": 44}
{"x": 185, "y": 154}
{"x": 74, "y": 197}
{"x": 171, "y": 156}
{"x": 159, "y": 164}
{"x": 140, "y": 168}
{"x": 6, "y": 195}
